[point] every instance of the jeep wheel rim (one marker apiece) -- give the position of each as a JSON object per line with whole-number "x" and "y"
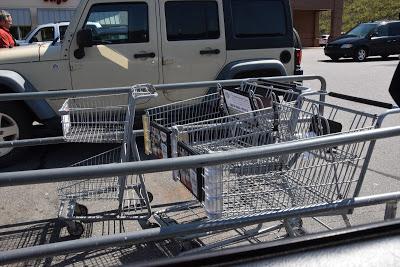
{"x": 361, "y": 54}
{"x": 9, "y": 131}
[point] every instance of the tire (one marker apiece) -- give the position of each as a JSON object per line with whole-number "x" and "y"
{"x": 15, "y": 124}
{"x": 360, "y": 54}
{"x": 335, "y": 59}
{"x": 81, "y": 210}
{"x": 77, "y": 230}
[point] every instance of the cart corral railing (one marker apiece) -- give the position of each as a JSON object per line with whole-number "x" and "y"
{"x": 62, "y": 174}
{"x": 171, "y": 86}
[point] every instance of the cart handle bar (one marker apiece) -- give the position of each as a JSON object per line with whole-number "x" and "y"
{"x": 171, "y": 86}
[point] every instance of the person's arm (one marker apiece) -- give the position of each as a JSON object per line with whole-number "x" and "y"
{"x": 394, "y": 88}
{"x": 3, "y": 41}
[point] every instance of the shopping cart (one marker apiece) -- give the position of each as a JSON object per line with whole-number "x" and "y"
{"x": 104, "y": 119}
{"x": 282, "y": 181}
{"x": 157, "y": 122}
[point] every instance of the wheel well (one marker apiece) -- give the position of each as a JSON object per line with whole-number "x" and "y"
{"x": 6, "y": 89}
{"x": 257, "y": 73}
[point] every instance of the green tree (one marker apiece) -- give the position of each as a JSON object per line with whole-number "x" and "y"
{"x": 356, "y": 11}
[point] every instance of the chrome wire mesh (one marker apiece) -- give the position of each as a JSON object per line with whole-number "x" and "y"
{"x": 159, "y": 120}
{"x": 187, "y": 111}
{"x": 93, "y": 189}
{"x": 105, "y": 188}
{"x": 100, "y": 119}
{"x": 285, "y": 180}
{"x": 315, "y": 176}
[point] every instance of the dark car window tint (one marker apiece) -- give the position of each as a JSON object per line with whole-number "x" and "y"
{"x": 62, "y": 31}
{"x": 195, "y": 20}
{"x": 394, "y": 29}
{"x": 119, "y": 23}
{"x": 362, "y": 30}
{"x": 250, "y": 19}
{"x": 382, "y": 31}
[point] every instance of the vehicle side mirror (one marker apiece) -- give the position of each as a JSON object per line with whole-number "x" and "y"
{"x": 372, "y": 34}
{"x": 84, "y": 38}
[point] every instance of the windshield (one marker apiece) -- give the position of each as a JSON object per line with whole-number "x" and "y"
{"x": 362, "y": 30}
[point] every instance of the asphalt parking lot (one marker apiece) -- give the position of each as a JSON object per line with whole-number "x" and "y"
{"x": 369, "y": 79}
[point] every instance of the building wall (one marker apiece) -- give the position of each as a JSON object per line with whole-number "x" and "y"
{"x": 306, "y": 18}
{"x": 305, "y": 22}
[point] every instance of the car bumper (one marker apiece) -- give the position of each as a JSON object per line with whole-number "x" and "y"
{"x": 338, "y": 52}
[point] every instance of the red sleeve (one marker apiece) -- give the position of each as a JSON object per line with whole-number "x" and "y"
{"x": 4, "y": 42}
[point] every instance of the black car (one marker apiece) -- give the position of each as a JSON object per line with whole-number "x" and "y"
{"x": 380, "y": 38}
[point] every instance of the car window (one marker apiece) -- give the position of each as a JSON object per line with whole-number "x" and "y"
{"x": 194, "y": 20}
{"x": 394, "y": 29}
{"x": 43, "y": 35}
{"x": 382, "y": 31}
{"x": 250, "y": 20}
{"x": 62, "y": 31}
{"x": 119, "y": 23}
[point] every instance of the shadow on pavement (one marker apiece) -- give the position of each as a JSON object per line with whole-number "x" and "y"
{"x": 34, "y": 233}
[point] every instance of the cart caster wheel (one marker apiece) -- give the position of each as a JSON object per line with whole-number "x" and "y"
{"x": 77, "y": 230}
{"x": 188, "y": 245}
{"x": 151, "y": 197}
{"x": 150, "y": 225}
{"x": 81, "y": 210}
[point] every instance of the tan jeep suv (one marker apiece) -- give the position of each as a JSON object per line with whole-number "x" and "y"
{"x": 146, "y": 41}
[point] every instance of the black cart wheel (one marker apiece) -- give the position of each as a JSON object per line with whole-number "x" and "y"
{"x": 188, "y": 245}
{"x": 150, "y": 225}
{"x": 80, "y": 210}
{"x": 150, "y": 195}
{"x": 76, "y": 229}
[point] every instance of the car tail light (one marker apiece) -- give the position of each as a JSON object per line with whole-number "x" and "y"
{"x": 298, "y": 56}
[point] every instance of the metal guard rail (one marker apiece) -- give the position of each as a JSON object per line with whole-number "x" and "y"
{"x": 159, "y": 165}
{"x": 172, "y": 86}
{"x": 156, "y": 234}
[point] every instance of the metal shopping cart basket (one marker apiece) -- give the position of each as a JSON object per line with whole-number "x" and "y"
{"x": 157, "y": 121}
{"x": 284, "y": 180}
{"x": 104, "y": 119}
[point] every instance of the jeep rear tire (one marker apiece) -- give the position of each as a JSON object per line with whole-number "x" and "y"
{"x": 15, "y": 124}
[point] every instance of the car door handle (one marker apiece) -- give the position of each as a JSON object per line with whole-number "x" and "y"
{"x": 209, "y": 52}
{"x": 145, "y": 55}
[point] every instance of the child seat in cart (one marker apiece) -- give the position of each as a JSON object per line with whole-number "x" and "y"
{"x": 104, "y": 119}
